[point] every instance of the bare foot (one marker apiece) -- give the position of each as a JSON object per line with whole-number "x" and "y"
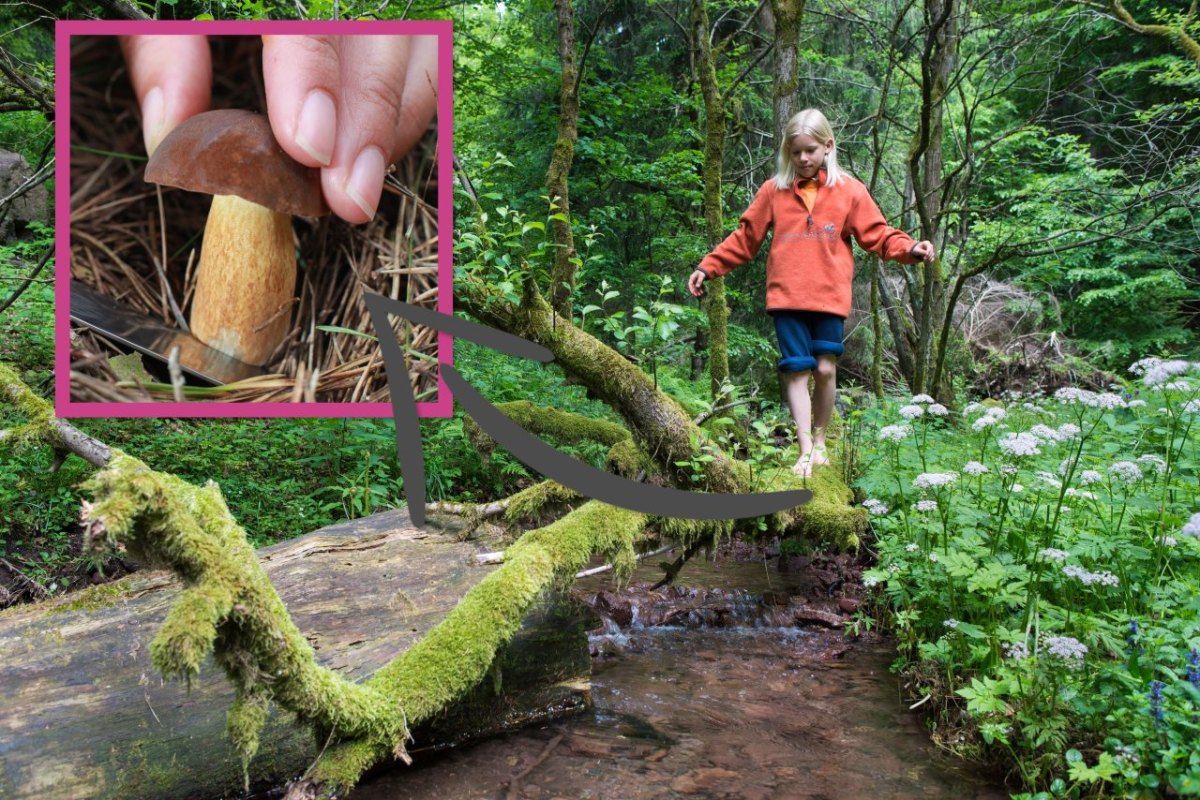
{"x": 804, "y": 466}
{"x": 820, "y": 455}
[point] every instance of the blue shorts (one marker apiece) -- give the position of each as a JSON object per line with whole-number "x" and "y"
{"x": 804, "y": 335}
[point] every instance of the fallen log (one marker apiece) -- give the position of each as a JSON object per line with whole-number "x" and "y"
{"x": 83, "y": 713}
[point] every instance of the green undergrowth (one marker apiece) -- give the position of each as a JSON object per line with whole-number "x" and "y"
{"x": 1039, "y": 565}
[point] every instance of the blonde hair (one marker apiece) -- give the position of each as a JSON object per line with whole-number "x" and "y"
{"x": 810, "y": 122}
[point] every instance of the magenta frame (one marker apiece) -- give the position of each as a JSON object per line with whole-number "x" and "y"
{"x": 64, "y": 30}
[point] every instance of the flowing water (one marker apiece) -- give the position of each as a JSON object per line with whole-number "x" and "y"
{"x": 712, "y": 712}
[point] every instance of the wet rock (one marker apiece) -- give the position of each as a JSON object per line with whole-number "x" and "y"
{"x": 618, "y": 609}
{"x": 776, "y": 598}
{"x": 849, "y": 604}
{"x": 702, "y": 780}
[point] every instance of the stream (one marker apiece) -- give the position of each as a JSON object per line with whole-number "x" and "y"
{"x": 722, "y": 703}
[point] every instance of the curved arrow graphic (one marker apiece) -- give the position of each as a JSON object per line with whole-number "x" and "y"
{"x": 527, "y": 448}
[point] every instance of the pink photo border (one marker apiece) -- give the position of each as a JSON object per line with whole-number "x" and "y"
{"x": 64, "y": 406}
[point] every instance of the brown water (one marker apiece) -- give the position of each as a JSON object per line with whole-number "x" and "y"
{"x": 735, "y": 712}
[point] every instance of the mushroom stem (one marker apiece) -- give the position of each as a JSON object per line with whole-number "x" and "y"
{"x": 246, "y": 281}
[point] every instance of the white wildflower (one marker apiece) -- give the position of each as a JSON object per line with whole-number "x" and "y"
{"x": 912, "y": 547}
{"x": 1167, "y": 541}
{"x": 934, "y": 480}
{"x": 938, "y": 410}
{"x": 1055, "y": 554}
{"x": 1157, "y": 374}
{"x": 875, "y": 507}
{"x": 1192, "y": 527}
{"x": 1104, "y": 577}
{"x": 926, "y": 505}
{"x": 1016, "y": 487}
{"x": 1137, "y": 402}
{"x": 985, "y": 421}
{"x": 922, "y": 398}
{"x": 933, "y": 557}
{"x": 1008, "y": 469}
{"x": 1157, "y": 462}
{"x": 1089, "y": 476}
{"x": 950, "y": 623}
{"x": 870, "y": 581}
{"x": 972, "y": 408}
{"x": 1017, "y": 651}
{"x": 1128, "y": 472}
{"x": 1191, "y": 407}
{"x": 1044, "y": 433}
{"x": 912, "y": 411}
{"x": 974, "y": 468}
{"x": 1107, "y": 401}
{"x": 1073, "y": 492}
{"x": 1020, "y": 444}
{"x": 894, "y": 433}
{"x": 1067, "y": 648}
{"x": 894, "y": 568}
{"x": 1068, "y": 430}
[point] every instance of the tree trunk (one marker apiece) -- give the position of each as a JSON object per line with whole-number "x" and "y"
{"x": 562, "y": 275}
{"x": 925, "y": 169}
{"x": 86, "y": 714}
{"x": 786, "y": 16}
{"x": 714, "y": 152}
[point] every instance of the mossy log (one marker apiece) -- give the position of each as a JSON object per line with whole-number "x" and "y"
{"x": 85, "y": 714}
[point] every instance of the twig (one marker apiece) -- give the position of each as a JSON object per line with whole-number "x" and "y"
{"x": 41, "y": 589}
{"x": 29, "y": 280}
{"x": 606, "y": 567}
{"x": 712, "y": 412}
{"x": 514, "y": 786}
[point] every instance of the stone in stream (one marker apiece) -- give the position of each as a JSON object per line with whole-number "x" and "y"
{"x": 83, "y": 714}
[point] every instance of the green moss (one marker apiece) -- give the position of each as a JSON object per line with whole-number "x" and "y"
{"x": 627, "y": 459}
{"x": 458, "y": 653}
{"x": 105, "y": 595}
{"x": 529, "y": 502}
{"x": 551, "y": 423}
{"x": 828, "y": 518}
{"x": 37, "y": 412}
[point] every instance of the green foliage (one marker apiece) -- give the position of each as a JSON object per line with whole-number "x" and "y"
{"x": 1041, "y": 559}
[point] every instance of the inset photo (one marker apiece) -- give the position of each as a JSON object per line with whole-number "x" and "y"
{"x": 236, "y": 191}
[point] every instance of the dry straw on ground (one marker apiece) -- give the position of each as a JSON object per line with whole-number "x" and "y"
{"x": 118, "y": 247}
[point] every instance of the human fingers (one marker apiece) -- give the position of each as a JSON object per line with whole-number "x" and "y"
{"x": 695, "y": 282}
{"x": 351, "y": 105}
{"x": 172, "y": 78}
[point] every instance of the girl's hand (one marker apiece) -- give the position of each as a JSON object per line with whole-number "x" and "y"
{"x": 924, "y": 251}
{"x": 694, "y": 282}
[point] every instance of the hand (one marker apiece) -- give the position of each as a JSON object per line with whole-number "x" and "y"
{"x": 924, "y": 251}
{"x": 694, "y": 282}
{"x": 350, "y": 105}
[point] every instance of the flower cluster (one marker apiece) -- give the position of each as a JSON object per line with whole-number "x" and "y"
{"x": 875, "y": 507}
{"x": 894, "y": 433}
{"x": 1156, "y": 700}
{"x": 1156, "y": 371}
{"x": 990, "y": 417}
{"x": 922, "y": 398}
{"x": 912, "y": 411}
{"x": 1063, "y": 433}
{"x": 938, "y": 410}
{"x": 1192, "y": 527}
{"x": 1104, "y": 577}
{"x": 1127, "y": 472}
{"x": 1054, "y": 554}
{"x": 950, "y": 623}
{"x": 1089, "y": 476}
{"x": 1068, "y": 648}
{"x": 926, "y": 505}
{"x": 934, "y": 480}
{"x": 1020, "y": 445}
{"x": 974, "y": 468}
{"x": 1071, "y": 395}
{"x": 1157, "y": 463}
{"x": 1017, "y": 651}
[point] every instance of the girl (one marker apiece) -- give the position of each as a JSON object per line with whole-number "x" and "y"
{"x": 814, "y": 208}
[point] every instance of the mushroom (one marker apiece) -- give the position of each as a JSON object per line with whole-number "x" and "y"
{"x": 245, "y": 284}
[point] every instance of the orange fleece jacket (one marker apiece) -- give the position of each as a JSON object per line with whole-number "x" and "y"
{"x": 811, "y": 265}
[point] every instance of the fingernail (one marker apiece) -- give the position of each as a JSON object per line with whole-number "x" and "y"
{"x": 317, "y": 125}
{"x": 366, "y": 180}
{"x": 154, "y": 118}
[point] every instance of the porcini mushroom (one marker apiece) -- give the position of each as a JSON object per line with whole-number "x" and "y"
{"x": 245, "y": 284}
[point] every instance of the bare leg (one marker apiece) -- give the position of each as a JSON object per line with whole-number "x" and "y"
{"x": 824, "y": 393}
{"x": 796, "y": 387}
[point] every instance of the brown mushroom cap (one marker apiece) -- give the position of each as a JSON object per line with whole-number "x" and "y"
{"x": 232, "y": 151}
